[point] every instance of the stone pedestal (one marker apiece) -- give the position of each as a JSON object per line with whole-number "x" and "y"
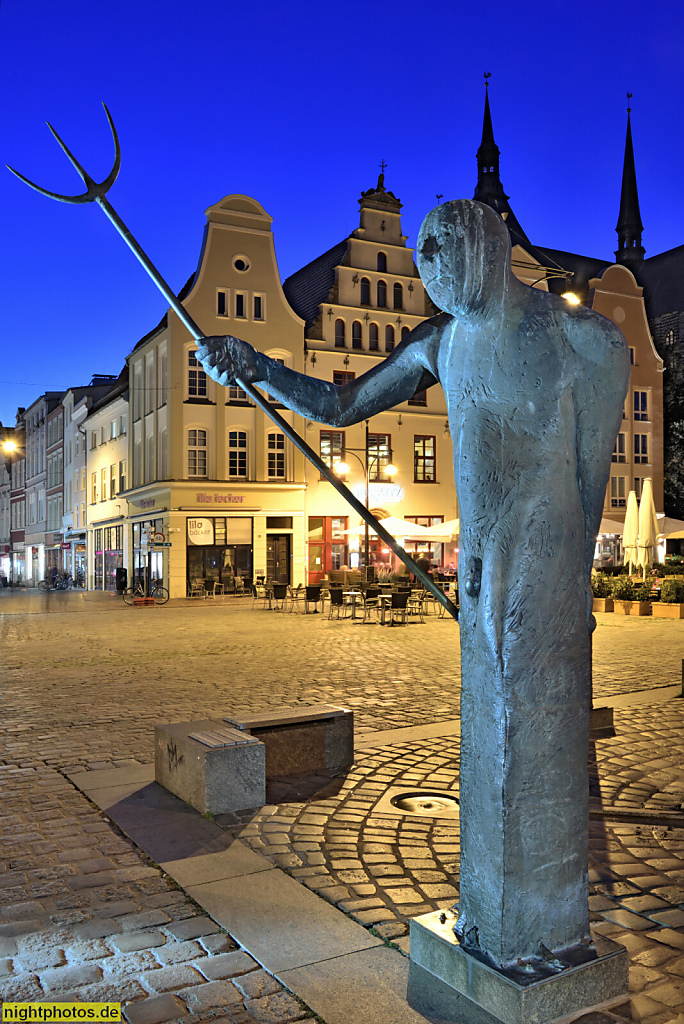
{"x": 454, "y": 985}
{"x": 212, "y": 767}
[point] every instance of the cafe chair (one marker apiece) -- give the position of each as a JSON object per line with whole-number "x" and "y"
{"x": 371, "y": 602}
{"x": 196, "y": 589}
{"x": 415, "y": 604}
{"x": 259, "y": 593}
{"x": 280, "y": 596}
{"x": 397, "y": 609}
{"x": 312, "y": 595}
{"x": 296, "y": 596}
{"x": 337, "y": 603}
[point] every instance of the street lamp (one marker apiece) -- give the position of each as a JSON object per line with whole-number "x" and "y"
{"x": 390, "y": 469}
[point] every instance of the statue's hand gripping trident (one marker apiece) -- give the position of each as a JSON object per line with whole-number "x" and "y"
{"x": 227, "y": 360}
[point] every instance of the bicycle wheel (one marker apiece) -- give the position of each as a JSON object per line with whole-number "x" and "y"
{"x": 129, "y": 595}
{"x": 43, "y": 585}
{"x": 160, "y": 595}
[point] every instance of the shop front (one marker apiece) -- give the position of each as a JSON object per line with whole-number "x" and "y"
{"x": 219, "y": 550}
{"x": 144, "y": 557}
{"x": 328, "y": 545}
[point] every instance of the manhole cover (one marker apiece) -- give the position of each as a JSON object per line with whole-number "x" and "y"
{"x": 421, "y": 802}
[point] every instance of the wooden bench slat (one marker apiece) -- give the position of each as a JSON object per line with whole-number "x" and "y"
{"x": 286, "y": 716}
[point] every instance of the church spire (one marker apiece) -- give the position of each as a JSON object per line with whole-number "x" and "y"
{"x": 489, "y": 189}
{"x": 630, "y": 251}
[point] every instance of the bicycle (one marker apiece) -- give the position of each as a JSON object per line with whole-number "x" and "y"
{"x": 159, "y": 593}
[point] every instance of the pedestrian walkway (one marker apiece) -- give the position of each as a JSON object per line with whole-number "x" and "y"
{"x": 83, "y": 909}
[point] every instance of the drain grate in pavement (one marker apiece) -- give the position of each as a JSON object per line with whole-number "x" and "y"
{"x": 398, "y": 801}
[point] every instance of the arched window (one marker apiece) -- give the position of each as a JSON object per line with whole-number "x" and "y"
{"x": 365, "y": 292}
{"x": 389, "y": 338}
{"x": 340, "y": 340}
{"x": 382, "y": 294}
{"x": 398, "y": 296}
{"x": 356, "y": 334}
{"x": 382, "y": 262}
{"x": 197, "y": 453}
{"x": 404, "y": 332}
{"x": 373, "y": 337}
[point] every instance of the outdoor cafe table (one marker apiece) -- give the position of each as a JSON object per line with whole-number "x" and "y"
{"x": 352, "y": 595}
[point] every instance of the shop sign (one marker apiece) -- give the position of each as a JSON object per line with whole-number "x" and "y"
{"x": 66, "y": 546}
{"x": 221, "y": 499}
{"x": 379, "y": 494}
{"x": 4, "y": 549}
{"x": 148, "y": 503}
{"x": 200, "y": 531}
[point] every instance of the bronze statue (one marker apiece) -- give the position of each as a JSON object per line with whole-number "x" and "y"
{"x": 535, "y": 389}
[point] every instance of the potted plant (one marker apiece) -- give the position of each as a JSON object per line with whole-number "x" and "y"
{"x": 600, "y": 585}
{"x": 623, "y": 594}
{"x": 671, "y": 604}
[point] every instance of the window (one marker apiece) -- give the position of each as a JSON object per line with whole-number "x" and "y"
{"x": 103, "y": 484}
{"x": 197, "y": 453}
{"x": 93, "y": 487}
{"x": 103, "y": 434}
{"x": 365, "y": 292}
{"x": 221, "y": 303}
{"x": 237, "y": 454}
{"x": 373, "y": 344}
{"x": 641, "y": 448}
{"x": 112, "y": 430}
{"x": 162, "y": 374}
{"x": 341, "y": 377}
{"x": 122, "y": 424}
{"x": 419, "y": 398}
{"x": 398, "y": 296}
{"x": 93, "y": 439}
{"x": 619, "y": 449}
{"x": 137, "y": 391}
{"x": 162, "y": 449}
{"x": 382, "y": 294}
{"x": 340, "y": 338}
{"x": 149, "y": 386}
{"x": 197, "y": 378}
{"x": 382, "y": 262}
{"x": 149, "y": 458}
{"x": 356, "y": 334}
{"x": 112, "y": 480}
{"x": 638, "y": 485}
{"x": 379, "y": 455}
{"x": 389, "y": 338}
{"x": 276, "y": 456}
{"x": 640, "y": 405}
{"x": 617, "y": 492}
{"x": 332, "y": 449}
{"x": 240, "y": 305}
{"x": 258, "y": 307}
{"x": 424, "y": 459}
{"x": 631, "y": 355}
{"x": 122, "y": 476}
{"x": 404, "y": 332}
{"x": 236, "y": 394}
{"x": 77, "y": 444}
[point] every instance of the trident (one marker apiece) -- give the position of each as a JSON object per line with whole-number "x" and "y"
{"x": 97, "y": 193}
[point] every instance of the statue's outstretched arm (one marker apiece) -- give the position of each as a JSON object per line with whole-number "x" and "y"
{"x": 394, "y": 380}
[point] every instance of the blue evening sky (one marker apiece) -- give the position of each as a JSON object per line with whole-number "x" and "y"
{"x": 295, "y": 104}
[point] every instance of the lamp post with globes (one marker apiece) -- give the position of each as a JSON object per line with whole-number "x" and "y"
{"x": 370, "y": 461}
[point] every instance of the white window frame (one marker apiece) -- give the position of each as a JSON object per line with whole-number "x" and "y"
{"x": 192, "y": 445}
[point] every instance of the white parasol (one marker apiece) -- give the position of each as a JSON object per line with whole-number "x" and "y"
{"x": 631, "y": 531}
{"x": 648, "y": 526}
{"x": 399, "y": 528}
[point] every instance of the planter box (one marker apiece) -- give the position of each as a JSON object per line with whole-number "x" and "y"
{"x": 666, "y": 610}
{"x": 603, "y": 604}
{"x": 632, "y": 607}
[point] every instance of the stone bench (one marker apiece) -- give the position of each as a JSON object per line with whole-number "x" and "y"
{"x": 298, "y": 740}
{"x": 211, "y": 766}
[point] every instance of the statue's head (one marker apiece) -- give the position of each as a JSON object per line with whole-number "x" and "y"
{"x": 464, "y": 256}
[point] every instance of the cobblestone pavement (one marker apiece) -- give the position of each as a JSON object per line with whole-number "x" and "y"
{"x": 83, "y": 909}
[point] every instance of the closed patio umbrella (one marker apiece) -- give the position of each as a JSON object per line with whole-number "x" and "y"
{"x": 631, "y": 531}
{"x": 648, "y": 526}
{"x": 442, "y": 533}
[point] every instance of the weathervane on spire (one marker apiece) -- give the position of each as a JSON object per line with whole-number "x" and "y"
{"x": 629, "y": 96}
{"x": 381, "y": 177}
{"x": 487, "y": 76}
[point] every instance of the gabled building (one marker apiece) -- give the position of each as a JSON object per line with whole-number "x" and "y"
{"x": 36, "y": 443}
{"x": 358, "y": 300}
